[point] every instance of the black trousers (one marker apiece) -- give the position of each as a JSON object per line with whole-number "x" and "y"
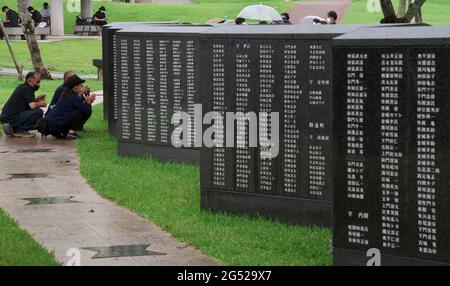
{"x": 77, "y": 123}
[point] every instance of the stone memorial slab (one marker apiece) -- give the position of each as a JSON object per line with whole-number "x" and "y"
{"x": 109, "y": 50}
{"x": 156, "y": 79}
{"x": 287, "y": 70}
{"x": 391, "y": 146}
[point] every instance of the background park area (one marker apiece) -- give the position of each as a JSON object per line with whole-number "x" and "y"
{"x": 167, "y": 194}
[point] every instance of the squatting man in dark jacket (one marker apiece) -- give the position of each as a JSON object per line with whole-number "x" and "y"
{"x": 71, "y": 111}
{"x": 23, "y": 110}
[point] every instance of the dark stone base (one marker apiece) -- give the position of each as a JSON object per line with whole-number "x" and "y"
{"x": 351, "y": 257}
{"x": 112, "y": 128}
{"x": 290, "y": 210}
{"x": 160, "y": 153}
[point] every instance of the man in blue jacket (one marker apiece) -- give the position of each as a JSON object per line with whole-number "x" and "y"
{"x": 59, "y": 90}
{"x": 71, "y": 111}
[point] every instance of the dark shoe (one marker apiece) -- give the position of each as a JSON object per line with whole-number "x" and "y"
{"x": 7, "y": 128}
{"x": 23, "y": 134}
{"x": 70, "y": 137}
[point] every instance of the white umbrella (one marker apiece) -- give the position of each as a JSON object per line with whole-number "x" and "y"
{"x": 310, "y": 19}
{"x": 260, "y": 12}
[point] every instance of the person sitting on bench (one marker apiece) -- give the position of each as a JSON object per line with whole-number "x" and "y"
{"x": 36, "y": 16}
{"x": 46, "y": 13}
{"x": 71, "y": 111}
{"x": 12, "y": 19}
{"x": 100, "y": 16}
{"x": 23, "y": 110}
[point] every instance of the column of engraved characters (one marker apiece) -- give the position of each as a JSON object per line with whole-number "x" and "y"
{"x": 292, "y": 93}
{"x": 164, "y": 119}
{"x": 426, "y": 152}
{"x": 124, "y": 78}
{"x": 218, "y": 73}
{"x": 137, "y": 81}
{"x": 317, "y": 64}
{"x": 151, "y": 93}
{"x": 266, "y": 96}
{"x": 115, "y": 78}
{"x": 392, "y": 68}
{"x": 356, "y": 95}
{"x": 190, "y": 86}
{"x": 176, "y": 85}
{"x": 243, "y": 155}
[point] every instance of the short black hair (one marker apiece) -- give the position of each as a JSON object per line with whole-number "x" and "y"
{"x": 30, "y": 9}
{"x": 332, "y": 14}
{"x": 239, "y": 20}
{"x": 4, "y": 8}
{"x": 31, "y": 75}
{"x": 286, "y": 15}
{"x": 45, "y": 3}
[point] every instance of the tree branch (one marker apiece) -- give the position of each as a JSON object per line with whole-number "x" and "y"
{"x": 413, "y": 10}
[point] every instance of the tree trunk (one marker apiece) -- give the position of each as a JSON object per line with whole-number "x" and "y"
{"x": 414, "y": 11}
{"x": 402, "y": 4}
{"x": 28, "y": 30}
{"x": 19, "y": 68}
{"x": 391, "y": 18}
{"x": 388, "y": 12}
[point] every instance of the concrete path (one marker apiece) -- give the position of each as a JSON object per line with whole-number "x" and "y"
{"x": 319, "y": 8}
{"x": 41, "y": 187}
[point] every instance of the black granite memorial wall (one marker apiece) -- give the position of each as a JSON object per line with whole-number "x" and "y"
{"x": 270, "y": 68}
{"x": 156, "y": 76}
{"x": 109, "y": 50}
{"x": 392, "y": 147}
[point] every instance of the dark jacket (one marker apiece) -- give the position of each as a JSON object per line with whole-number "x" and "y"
{"x": 17, "y": 103}
{"x": 62, "y": 115}
{"x": 13, "y": 18}
{"x": 37, "y": 17}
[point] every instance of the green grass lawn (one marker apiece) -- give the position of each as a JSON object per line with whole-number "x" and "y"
{"x": 169, "y": 195}
{"x": 75, "y": 54}
{"x": 18, "y": 248}
{"x": 198, "y": 12}
{"x": 434, "y": 12}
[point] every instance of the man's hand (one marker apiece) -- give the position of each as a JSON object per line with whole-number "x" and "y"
{"x": 42, "y": 103}
{"x": 41, "y": 97}
{"x": 90, "y": 99}
{"x": 38, "y": 104}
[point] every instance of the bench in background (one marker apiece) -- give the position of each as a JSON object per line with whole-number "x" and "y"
{"x": 94, "y": 30}
{"x": 16, "y": 33}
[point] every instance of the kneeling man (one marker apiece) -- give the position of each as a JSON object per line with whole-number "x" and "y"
{"x": 22, "y": 110}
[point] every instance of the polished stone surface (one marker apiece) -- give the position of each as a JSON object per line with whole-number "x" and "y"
{"x": 122, "y": 251}
{"x": 28, "y": 175}
{"x": 50, "y": 201}
{"x": 37, "y": 150}
{"x": 93, "y": 222}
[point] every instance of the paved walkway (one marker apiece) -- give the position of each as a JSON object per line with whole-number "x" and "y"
{"x": 41, "y": 187}
{"x": 319, "y": 8}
